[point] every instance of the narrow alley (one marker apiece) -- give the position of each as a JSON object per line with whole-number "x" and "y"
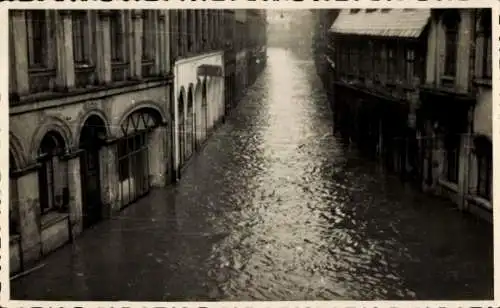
{"x": 276, "y": 207}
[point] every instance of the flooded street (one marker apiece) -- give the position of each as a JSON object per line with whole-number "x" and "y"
{"x": 275, "y": 207}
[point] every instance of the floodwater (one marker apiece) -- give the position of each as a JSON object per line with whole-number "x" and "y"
{"x": 275, "y": 207}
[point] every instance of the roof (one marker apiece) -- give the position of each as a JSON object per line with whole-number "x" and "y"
{"x": 407, "y": 23}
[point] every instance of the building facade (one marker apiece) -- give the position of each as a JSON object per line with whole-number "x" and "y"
{"x": 322, "y": 47}
{"x": 208, "y": 43}
{"x": 454, "y": 118}
{"x": 104, "y": 106}
{"x": 379, "y": 56}
{"x": 413, "y": 88}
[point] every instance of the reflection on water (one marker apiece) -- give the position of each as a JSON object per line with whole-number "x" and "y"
{"x": 276, "y": 208}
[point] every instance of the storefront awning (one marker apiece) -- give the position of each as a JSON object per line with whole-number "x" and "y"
{"x": 209, "y": 70}
{"x": 407, "y": 23}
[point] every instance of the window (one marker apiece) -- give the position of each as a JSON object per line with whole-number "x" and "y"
{"x": 452, "y": 154}
{"x": 190, "y": 30}
{"x": 391, "y": 62}
{"x": 148, "y": 35}
{"x": 484, "y": 35}
{"x": 451, "y": 22}
{"x": 180, "y": 33}
{"x": 81, "y": 37}
{"x": 199, "y": 27}
{"x": 148, "y": 42}
{"x": 53, "y": 174}
{"x": 378, "y": 67}
{"x": 484, "y": 155}
{"x": 117, "y": 37}
{"x": 354, "y": 60}
{"x": 409, "y": 65}
{"x": 37, "y": 27}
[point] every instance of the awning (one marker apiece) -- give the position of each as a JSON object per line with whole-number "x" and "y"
{"x": 407, "y": 23}
{"x": 209, "y": 70}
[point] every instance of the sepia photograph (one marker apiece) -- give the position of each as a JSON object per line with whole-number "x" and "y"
{"x": 250, "y": 154}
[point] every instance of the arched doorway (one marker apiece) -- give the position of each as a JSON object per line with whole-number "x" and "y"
{"x": 133, "y": 155}
{"x": 204, "y": 110}
{"x": 190, "y": 123}
{"x": 181, "y": 127}
{"x": 91, "y": 136}
{"x": 53, "y": 174}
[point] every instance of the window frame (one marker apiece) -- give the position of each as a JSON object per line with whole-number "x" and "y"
{"x": 487, "y": 48}
{"x": 410, "y": 60}
{"x": 43, "y": 41}
{"x": 51, "y": 159}
{"x": 117, "y": 29}
{"x": 451, "y": 25}
{"x": 82, "y": 19}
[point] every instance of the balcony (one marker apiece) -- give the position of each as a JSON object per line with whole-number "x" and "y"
{"x": 41, "y": 80}
{"x": 119, "y": 71}
{"x": 85, "y": 76}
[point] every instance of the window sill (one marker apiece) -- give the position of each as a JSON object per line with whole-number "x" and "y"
{"x": 40, "y": 71}
{"x": 483, "y": 82}
{"x": 480, "y": 201}
{"x": 51, "y": 218}
{"x": 448, "y": 185}
{"x": 84, "y": 68}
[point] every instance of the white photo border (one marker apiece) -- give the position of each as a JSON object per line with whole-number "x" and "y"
{"x": 237, "y": 4}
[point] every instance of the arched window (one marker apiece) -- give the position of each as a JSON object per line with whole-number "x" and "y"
{"x": 451, "y": 22}
{"x": 484, "y": 157}
{"x": 53, "y": 183}
{"x": 133, "y": 155}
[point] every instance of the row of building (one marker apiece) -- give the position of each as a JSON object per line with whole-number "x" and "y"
{"x": 106, "y": 104}
{"x": 414, "y": 88}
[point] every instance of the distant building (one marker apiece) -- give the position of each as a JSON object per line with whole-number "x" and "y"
{"x": 322, "y": 46}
